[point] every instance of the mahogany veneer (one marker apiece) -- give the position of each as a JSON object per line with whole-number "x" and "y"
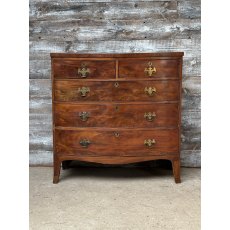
{"x": 116, "y": 108}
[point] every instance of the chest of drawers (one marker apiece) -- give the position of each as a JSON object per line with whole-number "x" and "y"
{"x": 116, "y": 108}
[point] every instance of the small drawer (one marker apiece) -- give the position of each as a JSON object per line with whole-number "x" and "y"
{"x": 86, "y": 91}
{"x": 83, "y": 69}
{"x": 116, "y": 142}
{"x": 148, "y": 68}
{"x": 114, "y": 115}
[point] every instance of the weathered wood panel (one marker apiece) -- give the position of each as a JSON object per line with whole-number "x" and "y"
{"x": 191, "y": 94}
{"x": 189, "y": 9}
{"x": 190, "y": 140}
{"x": 40, "y": 121}
{"x": 113, "y": 26}
{"x": 41, "y": 140}
{"x": 81, "y": 30}
{"x": 41, "y": 158}
{"x": 190, "y": 119}
{"x": 191, "y": 158}
{"x": 108, "y": 1}
{"x": 191, "y": 47}
{"x": 51, "y": 10}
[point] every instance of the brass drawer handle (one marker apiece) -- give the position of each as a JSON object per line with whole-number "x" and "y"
{"x": 150, "y": 70}
{"x": 85, "y": 143}
{"x": 150, "y": 90}
{"x": 83, "y": 71}
{"x": 83, "y": 91}
{"x": 149, "y": 143}
{"x": 84, "y": 116}
{"x": 149, "y": 116}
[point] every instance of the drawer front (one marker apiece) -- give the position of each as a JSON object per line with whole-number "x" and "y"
{"x": 84, "y": 91}
{"x": 148, "y": 68}
{"x": 122, "y": 142}
{"x": 116, "y": 115}
{"x": 84, "y": 69}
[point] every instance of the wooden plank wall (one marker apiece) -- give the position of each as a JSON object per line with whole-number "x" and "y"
{"x": 114, "y": 27}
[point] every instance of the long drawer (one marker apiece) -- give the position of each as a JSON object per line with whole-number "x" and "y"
{"x": 82, "y": 91}
{"x": 116, "y": 142}
{"x": 116, "y": 115}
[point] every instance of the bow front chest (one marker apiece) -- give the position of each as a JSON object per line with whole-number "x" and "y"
{"x": 116, "y": 108}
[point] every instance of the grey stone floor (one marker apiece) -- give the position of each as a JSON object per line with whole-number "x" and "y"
{"x": 114, "y": 198}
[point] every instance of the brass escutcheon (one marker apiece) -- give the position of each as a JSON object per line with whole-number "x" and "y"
{"x": 83, "y": 91}
{"x": 149, "y": 143}
{"x": 150, "y": 90}
{"x": 116, "y": 134}
{"x": 85, "y": 143}
{"x": 83, "y": 71}
{"x": 149, "y": 116}
{"x": 84, "y": 116}
{"x": 116, "y": 84}
{"x": 150, "y": 70}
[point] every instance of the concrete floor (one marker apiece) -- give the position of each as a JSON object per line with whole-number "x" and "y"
{"x": 114, "y": 198}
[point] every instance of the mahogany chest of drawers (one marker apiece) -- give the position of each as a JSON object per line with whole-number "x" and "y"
{"x": 116, "y": 108}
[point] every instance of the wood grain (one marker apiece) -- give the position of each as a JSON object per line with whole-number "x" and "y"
{"x": 40, "y": 95}
{"x": 116, "y": 115}
{"x": 40, "y": 118}
{"x": 105, "y": 143}
{"x": 189, "y": 9}
{"x": 41, "y": 132}
{"x": 106, "y": 30}
{"x": 42, "y": 49}
{"x": 98, "y": 69}
{"x": 51, "y": 10}
{"x": 72, "y": 140}
{"x": 40, "y": 69}
{"x": 68, "y": 91}
{"x": 135, "y": 69}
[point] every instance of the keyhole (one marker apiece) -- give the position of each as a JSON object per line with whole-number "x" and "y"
{"x": 116, "y": 107}
{"x": 116, "y": 84}
{"x": 116, "y": 134}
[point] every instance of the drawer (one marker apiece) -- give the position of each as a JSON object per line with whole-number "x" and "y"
{"x": 85, "y": 91}
{"x": 123, "y": 142}
{"x": 84, "y": 69}
{"x": 148, "y": 68}
{"x": 116, "y": 115}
